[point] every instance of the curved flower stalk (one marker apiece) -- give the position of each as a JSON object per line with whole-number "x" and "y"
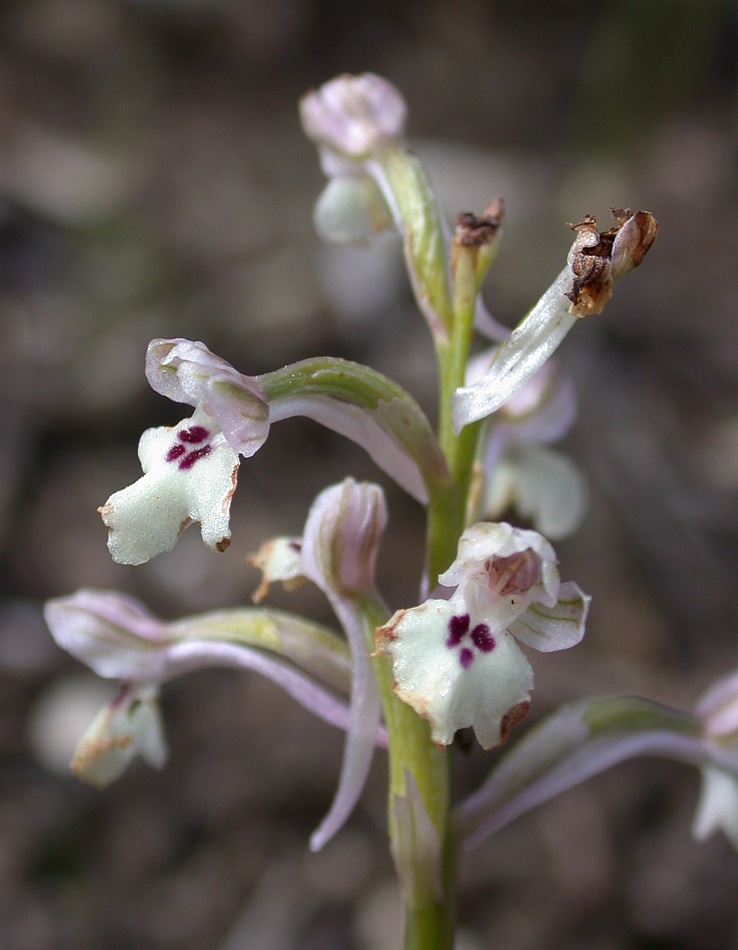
{"x": 456, "y": 661}
{"x": 368, "y": 408}
{"x": 519, "y": 471}
{"x": 190, "y": 469}
{"x": 338, "y": 553}
{"x": 585, "y": 738}
{"x": 583, "y": 287}
{"x": 119, "y": 639}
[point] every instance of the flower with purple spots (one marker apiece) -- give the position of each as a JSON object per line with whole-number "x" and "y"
{"x": 456, "y": 661}
{"x": 190, "y": 469}
{"x": 189, "y": 475}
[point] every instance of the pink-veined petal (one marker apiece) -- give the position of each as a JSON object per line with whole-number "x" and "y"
{"x": 353, "y": 115}
{"x": 186, "y": 371}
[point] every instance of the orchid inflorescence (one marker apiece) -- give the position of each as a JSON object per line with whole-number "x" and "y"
{"x": 408, "y": 680}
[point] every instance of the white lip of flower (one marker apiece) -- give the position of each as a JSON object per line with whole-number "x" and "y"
{"x": 456, "y": 661}
{"x": 543, "y": 486}
{"x": 189, "y": 475}
{"x": 717, "y": 808}
{"x": 190, "y": 470}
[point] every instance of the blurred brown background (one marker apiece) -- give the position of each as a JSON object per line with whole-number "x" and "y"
{"x": 154, "y": 182}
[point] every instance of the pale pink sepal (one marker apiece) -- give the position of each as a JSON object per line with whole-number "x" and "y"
{"x": 186, "y": 371}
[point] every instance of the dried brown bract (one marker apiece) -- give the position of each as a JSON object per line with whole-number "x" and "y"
{"x": 473, "y": 231}
{"x": 599, "y": 257}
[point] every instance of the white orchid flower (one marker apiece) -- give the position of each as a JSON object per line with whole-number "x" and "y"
{"x": 456, "y": 661}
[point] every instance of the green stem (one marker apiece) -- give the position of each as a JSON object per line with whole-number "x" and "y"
{"x": 429, "y": 917}
{"x": 447, "y": 508}
{"x": 430, "y": 907}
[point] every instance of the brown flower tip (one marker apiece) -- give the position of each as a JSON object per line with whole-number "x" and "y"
{"x": 473, "y": 231}
{"x": 511, "y": 718}
{"x": 635, "y": 235}
{"x": 599, "y": 257}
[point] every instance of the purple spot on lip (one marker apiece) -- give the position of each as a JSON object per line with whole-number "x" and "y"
{"x": 174, "y": 453}
{"x": 189, "y": 460}
{"x": 193, "y": 435}
{"x": 482, "y": 638}
{"x": 458, "y": 628}
{"x": 466, "y": 657}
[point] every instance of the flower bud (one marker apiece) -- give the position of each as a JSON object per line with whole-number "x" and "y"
{"x": 342, "y": 536}
{"x": 352, "y": 116}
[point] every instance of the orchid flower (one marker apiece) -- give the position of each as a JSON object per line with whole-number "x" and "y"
{"x": 190, "y": 469}
{"x": 584, "y": 738}
{"x": 456, "y": 661}
{"x": 338, "y": 553}
{"x": 358, "y": 125}
{"x": 717, "y": 809}
{"x": 119, "y": 639}
{"x": 128, "y": 726}
{"x": 519, "y": 471}
{"x": 583, "y": 287}
{"x": 351, "y": 117}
